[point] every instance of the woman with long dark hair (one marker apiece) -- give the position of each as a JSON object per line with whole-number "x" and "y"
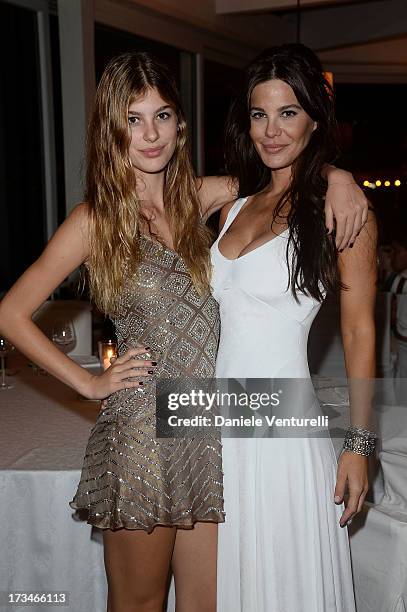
{"x": 283, "y": 546}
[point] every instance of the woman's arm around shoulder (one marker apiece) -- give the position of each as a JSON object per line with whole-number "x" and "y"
{"x": 346, "y": 202}
{"x": 214, "y": 192}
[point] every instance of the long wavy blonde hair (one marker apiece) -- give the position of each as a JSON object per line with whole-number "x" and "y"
{"x": 114, "y": 207}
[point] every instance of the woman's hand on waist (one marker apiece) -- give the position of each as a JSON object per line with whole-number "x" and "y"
{"x": 116, "y": 377}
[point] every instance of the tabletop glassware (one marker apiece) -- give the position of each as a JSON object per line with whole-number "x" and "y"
{"x": 5, "y": 348}
{"x": 107, "y": 350}
{"x": 63, "y": 334}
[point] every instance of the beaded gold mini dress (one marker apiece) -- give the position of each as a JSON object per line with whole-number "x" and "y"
{"x": 131, "y": 478}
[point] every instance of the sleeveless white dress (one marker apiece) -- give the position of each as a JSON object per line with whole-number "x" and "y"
{"x": 281, "y": 548}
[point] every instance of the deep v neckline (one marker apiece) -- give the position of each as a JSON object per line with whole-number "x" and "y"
{"x": 260, "y": 246}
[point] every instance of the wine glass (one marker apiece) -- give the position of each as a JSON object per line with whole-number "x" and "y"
{"x": 5, "y": 348}
{"x": 63, "y": 334}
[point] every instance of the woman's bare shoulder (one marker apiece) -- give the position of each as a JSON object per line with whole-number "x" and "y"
{"x": 71, "y": 239}
{"x": 80, "y": 215}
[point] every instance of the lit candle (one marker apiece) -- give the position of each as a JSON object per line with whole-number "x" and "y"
{"x": 107, "y": 350}
{"x": 106, "y": 360}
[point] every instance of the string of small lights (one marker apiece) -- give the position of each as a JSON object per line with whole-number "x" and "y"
{"x": 379, "y": 183}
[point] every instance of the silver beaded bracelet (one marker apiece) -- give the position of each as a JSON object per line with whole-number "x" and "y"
{"x": 359, "y": 440}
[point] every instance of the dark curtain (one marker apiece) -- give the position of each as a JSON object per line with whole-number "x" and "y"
{"x": 22, "y": 201}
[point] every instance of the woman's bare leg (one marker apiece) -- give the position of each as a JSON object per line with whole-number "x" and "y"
{"x": 137, "y": 566}
{"x": 194, "y": 567}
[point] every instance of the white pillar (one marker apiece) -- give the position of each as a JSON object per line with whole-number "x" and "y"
{"x": 76, "y": 40}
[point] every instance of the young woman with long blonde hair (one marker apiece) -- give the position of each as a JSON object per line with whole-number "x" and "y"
{"x": 140, "y": 235}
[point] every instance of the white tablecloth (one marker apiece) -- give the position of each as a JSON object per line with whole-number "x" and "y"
{"x": 43, "y": 433}
{"x": 44, "y": 547}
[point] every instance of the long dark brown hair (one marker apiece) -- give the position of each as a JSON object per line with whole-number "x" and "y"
{"x": 313, "y": 269}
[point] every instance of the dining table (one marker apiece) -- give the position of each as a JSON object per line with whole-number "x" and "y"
{"x": 49, "y": 549}
{"x": 46, "y": 546}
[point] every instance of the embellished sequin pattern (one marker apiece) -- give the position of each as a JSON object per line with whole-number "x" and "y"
{"x": 130, "y": 478}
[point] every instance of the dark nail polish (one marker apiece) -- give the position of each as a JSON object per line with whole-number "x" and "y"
{"x": 154, "y": 363}
{"x": 147, "y": 348}
{"x": 351, "y": 245}
{"x": 340, "y": 250}
{"x": 141, "y": 384}
{"x": 327, "y": 230}
{"x": 150, "y": 371}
